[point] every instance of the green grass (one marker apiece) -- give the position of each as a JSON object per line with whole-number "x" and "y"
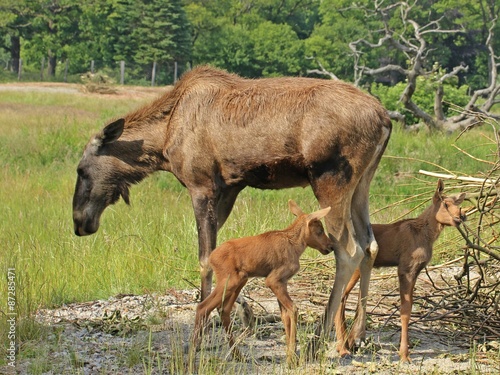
{"x": 152, "y": 245}
{"x": 153, "y": 242}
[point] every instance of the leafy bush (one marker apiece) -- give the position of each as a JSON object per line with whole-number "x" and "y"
{"x": 423, "y": 96}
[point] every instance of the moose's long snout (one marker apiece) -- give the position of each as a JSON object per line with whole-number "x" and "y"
{"x": 460, "y": 217}
{"x": 84, "y": 226}
{"x": 80, "y": 231}
{"x": 326, "y": 245}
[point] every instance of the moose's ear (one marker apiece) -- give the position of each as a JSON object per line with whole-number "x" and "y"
{"x": 112, "y": 131}
{"x": 460, "y": 198}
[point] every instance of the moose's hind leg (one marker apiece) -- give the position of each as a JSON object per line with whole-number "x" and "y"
{"x": 330, "y": 191}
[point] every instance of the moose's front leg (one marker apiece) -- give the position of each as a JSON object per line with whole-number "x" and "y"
{"x": 206, "y": 221}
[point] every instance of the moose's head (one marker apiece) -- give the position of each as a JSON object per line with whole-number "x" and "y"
{"x": 104, "y": 174}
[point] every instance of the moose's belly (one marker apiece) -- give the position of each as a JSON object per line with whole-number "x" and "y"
{"x": 276, "y": 174}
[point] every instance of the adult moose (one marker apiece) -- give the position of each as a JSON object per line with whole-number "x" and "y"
{"x": 218, "y": 133}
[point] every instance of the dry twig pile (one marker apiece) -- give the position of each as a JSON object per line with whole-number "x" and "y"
{"x": 471, "y": 303}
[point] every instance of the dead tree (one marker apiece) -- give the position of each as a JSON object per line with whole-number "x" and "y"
{"x": 416, "y": 49}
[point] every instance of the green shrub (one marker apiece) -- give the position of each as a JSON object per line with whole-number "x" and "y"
{"x": 390, "y": 96}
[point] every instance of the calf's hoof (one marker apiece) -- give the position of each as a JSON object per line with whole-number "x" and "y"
{"x": 292, "y": 360}
{"x": 355, "y": 344}
{"x": 404, "y": 358}
{"x": 345, "y": 354}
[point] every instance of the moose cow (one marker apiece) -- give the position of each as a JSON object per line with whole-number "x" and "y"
{"x": 218, "y": 133}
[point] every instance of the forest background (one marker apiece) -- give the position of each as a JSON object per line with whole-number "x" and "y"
{"x": 379, "y": 45}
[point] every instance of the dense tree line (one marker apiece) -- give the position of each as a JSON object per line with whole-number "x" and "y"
{"x": 250, "y": 37}
{"x": 257, "y": 38}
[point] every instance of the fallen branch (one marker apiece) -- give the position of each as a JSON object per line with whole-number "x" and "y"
{"x": 460, "y": 178}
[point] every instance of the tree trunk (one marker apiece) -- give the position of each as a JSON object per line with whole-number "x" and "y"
{"x": 51, "y": 66}
{"x": 15, "y": 52}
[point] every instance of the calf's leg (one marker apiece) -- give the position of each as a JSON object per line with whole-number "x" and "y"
{"x": 289, "y": 315}
{"x": 225, "y": 205}
{"x": 203, "y": 311}
{"x": 406, "y": 286}
{"x": 223, "y": 296}
{"x": 225, "y": 314}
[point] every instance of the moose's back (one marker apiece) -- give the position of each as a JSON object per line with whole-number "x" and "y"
{"x": 270, "y": 133}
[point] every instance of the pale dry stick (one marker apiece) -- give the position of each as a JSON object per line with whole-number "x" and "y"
{"x": 274, "y": 255}
{"x": 408, "y": 245}
{"x": 445, "y": 264}
{"x": 420, "y": 161}
{"x": 395, "y": 204}
{"x": 488, "y": 181}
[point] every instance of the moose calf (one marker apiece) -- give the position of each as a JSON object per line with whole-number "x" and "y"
{"x": 273, "y": 255}
{"x": 406, "y": 244}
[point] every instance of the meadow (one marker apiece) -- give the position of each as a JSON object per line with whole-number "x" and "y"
{"x": 151, "y": 245}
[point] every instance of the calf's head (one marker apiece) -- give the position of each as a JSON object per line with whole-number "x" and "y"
{"x": 448, "y": 210}
{"x": 314, "y": 234}
{"x": 103, "y": 176}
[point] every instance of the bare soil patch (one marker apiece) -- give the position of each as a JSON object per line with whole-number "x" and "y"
{"x": 74, "y": 88}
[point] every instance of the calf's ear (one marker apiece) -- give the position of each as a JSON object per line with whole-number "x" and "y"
{"x": 294, "y": 208}
{"x": 437, "y": 195}
{"x": 112, "y": 131}
{"x": 318, "y": 215}
{"x": 460, "y": 199}
{"x": 440, "y": 186}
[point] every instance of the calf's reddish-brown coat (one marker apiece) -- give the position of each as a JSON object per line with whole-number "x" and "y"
{"x": 218, "y": 133}
{"x": 406, "y": 244}
{"x": 274, "y": 255}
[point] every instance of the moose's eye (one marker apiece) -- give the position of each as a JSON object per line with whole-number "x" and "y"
{"x": 81, "y": 172}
